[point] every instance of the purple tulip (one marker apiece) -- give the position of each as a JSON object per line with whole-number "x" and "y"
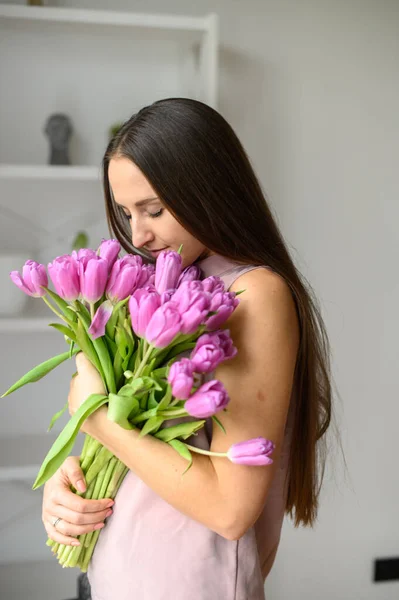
{"x": 213, "y": 284}
{"x": 109, "y": 250}
{"x": 193, "y": 304}
{"x": 167, "y": 270}
{"x": 64, "y": 273}
{"x": 252, "y": 452}
{"x": 208, "y": 400}
{"x": 166, "y": 296}
{"x": 33, "y": 277}
{"x": 83, "y": 253}
{"x": 147, "y": 276}
{"x": 181, "y": 378}
{"x": 142, "y": 305}
{"x": 164, "y": 325}
{"x": 191, "y": 273}
{"x": 212, "y": 349}
{"x": 124, "y": 278}
{"x": 223, "y": 304}
{"x": 93, "y": 275}
{"x": 101, "y": 318}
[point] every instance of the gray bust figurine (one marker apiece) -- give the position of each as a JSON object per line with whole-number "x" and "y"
{"x": 58, "y": 129}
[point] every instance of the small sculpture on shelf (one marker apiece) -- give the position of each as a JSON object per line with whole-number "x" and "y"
{"x": 58, "y": 129}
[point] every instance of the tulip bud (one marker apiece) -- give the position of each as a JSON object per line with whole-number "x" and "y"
{"x": 64, "y": 273}
{"x": 93, "y": 275}
{"x": 101, "y": 318}
{"x": 33, "y": 277}
{"x": 142, "y": 305}
{"x": 252, "y": 452}
{"x": 193, "y": 304}
{"x": 167, "y": 270}
{"x": 164, "y": 325}
{"x": 212, "y": 349}
{"x": 109, "y": 250}
{"x": 213, "y": 284}
{"x": 191, "y": 273}
{"x": 181, "y": 378}
{"x": 124, "y": 278}
{"x": 208, "y": 400}
{"x": 223, "y": 304}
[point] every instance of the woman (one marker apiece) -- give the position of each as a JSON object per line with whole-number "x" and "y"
{"x": 177, "y": 174}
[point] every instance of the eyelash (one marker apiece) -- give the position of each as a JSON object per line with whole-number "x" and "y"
{"x": 151, "y": 215}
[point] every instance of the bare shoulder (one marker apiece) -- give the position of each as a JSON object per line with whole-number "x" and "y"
{"x": 267, "y": 296}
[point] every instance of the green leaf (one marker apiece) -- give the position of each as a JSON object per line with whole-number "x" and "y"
{"x": 164, "y": 403}
{"x": 65, "y": 330}
{"x": 218, "y": 423}
{"x": 152, "y": 403}
{"x": 140, "y": 385}
{"x": 112, "y": 347}
{"x": 143, "y": 416}
{"x": 183, "y": 430}
{"x": 184, "y": 452}
{"x": 40, "y": 371}
{"x": 64, "y": 443}
{"x": 118, "y": 370}
{"x": 153, "y": 424}
{"x": 119, "y": 408}
{"x": 86, "y": 345}
{"x": 71, "y": 349}
{"x": 68, "y": 311}
{"x": 57, "y": 416}
{"x": 100, "y": 349}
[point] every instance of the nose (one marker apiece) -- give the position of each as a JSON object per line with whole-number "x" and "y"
{"x": 141, "y": 235}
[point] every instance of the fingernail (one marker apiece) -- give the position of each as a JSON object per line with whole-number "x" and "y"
{"x": 111, "y": 503}
{"x": 108, "y": 513}
{"x": 75, "y": 543}
{"x": 80, "y": 485}
{"x": 99, "y": 526}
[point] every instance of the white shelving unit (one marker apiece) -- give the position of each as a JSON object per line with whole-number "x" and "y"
{"x": 42, "y": 205}
{"x": 98, "y": 67}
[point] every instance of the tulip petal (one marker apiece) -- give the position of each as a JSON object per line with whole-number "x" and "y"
{"x": 101, "y": 318}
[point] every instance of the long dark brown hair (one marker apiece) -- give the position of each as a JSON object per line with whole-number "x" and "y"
{"x": 196, "y": 164}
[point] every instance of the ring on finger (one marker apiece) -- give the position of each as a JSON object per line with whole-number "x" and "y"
{"x": 56, "y": 521}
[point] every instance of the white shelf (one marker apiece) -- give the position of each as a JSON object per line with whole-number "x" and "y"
{"x": 27, "y": 325}
{"x": 105, "y": 17}
{"x": 50, "y": 172}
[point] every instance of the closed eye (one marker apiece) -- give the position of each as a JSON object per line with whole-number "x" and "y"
{"x": 151, "y": 215}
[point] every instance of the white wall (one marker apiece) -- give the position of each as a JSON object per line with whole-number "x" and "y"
{"x": 312, "y": 89}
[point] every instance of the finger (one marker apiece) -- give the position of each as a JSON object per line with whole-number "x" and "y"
{"x": 71, "y": 468}
{"x": 69, "y": 530}
{"x": 81, "y": 361}
{"x": 81, "y": 519}
{"x": 72, "y": 501}
{"x": 56, "y": 536}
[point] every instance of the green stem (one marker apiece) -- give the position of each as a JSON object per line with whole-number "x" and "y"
{"x": 87, "y": 456}
{"x": 143, "y": 363}
{"x": 55, "y": 311}
{"x": 206, "y": 452}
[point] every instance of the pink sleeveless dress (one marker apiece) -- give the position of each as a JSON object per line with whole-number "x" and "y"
{"x": 150, "y": 551}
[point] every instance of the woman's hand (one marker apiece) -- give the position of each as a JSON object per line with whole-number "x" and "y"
{"x": 77, "y": 515}
{"x": 87, "y": 382}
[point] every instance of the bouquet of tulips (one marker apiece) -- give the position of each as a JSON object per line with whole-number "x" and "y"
{"x": 136, "y": 323}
